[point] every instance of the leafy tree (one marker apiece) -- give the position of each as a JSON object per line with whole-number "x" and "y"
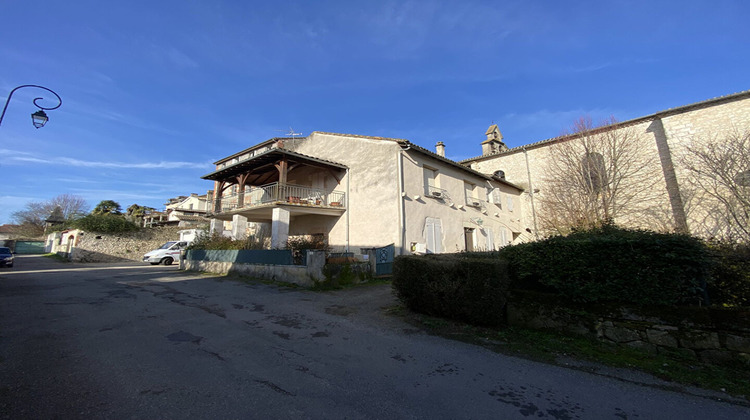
{"x": 105, "y": 223}
{"x": 135, "y": 213}
{"x": 32, "y": 218}
{"x": 107, "y": 207}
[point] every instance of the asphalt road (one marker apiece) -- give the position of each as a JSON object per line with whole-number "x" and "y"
{"x": 140, "y": 341}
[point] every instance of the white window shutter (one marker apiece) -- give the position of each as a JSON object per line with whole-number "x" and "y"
{"x": 497, "y": 198}
{"x": 433, "y": 235}
{"x": 438, "y": 237}
{"x": 510, "y": 203}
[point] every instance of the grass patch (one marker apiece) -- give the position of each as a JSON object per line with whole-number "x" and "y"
{"x": 57, "y": 257}
{"x": 327, "y": 285}
{"x": 250, "y": 280}
{"x": 555, "y": 348}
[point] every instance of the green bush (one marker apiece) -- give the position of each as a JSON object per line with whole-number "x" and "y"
{"x": 469, "y": 287}
{"x": 216, "y": 241}
{"x": 730, "y": 279}
{"x": 105, "y": 223}
{"x": 610, "y": 264}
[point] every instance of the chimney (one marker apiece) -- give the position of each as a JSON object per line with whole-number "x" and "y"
{"x": 440, "y": 148}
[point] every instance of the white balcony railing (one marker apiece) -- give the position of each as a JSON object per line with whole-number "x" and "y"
{"x": 275, "y": 193}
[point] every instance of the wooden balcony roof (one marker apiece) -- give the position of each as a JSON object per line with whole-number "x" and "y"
{"x": 263, "y": 163}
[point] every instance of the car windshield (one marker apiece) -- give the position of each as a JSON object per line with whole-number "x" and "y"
{"x": 4, "y": 250}
{"x": 168, "y": 244}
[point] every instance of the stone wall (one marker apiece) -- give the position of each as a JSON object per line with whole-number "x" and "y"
{"x": 712, "y": 335}
{"x": 660, "y": 188}
{"x": 100, "y": 247}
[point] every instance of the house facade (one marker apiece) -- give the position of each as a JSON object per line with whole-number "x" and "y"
{"x": 359, "y": 192}
{"x": 665, "y": 194}
{"x": 183, "y": 211}
{"x": 188, "y": 211}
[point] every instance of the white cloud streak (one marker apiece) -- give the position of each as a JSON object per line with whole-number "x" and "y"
{"x": 24, "y": 157}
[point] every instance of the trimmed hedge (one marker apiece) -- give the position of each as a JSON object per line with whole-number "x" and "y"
{"x": 610, "y": 264}
{"x": 730, "y": 280}
{"x": 470, "y": 287}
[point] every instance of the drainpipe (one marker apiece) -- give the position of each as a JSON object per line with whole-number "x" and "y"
{"x": 401, "y": 212}
{"x": 531, "y": 193}
{"x": 348, "y": 209}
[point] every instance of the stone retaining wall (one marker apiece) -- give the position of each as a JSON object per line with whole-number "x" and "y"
{"x": 711, "y": 335}
{"x": 100, "y": 247}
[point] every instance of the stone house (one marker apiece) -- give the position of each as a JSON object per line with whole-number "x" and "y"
{"x": 359, "y": 192}
{"x": 664, "y": 197}
{"x": 183, "y": 211}
{"x": 188, "y": 211}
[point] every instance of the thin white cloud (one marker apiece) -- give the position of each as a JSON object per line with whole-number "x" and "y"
{"x": 25, "y": 157}
{"x": 143, "y": 165}
{"x": 180, "y": 59}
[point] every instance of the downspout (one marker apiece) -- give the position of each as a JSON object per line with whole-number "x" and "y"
{"x": 531, "y": 193}
{"x": 348, "y": 209}
{"x": 401, "y": 211}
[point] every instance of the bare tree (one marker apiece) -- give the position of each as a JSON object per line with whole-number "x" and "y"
{"x": 719, "y": 171}
{"x": 32, "y": 218}
{"x": 594, "y": 175}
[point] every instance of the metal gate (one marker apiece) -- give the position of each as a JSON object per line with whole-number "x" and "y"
{"x": 384, "y": 260}
{"x": 29, "y": 247}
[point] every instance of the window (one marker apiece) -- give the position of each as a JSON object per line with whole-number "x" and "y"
{"x": 497, "y": 198}
{"x": 490, "y": 240}
{"x": 594, "y": 172}
{"x": 510, "y": 203}
{"x": 743, "y": 179}
{"x": 433, "y": 232}
{"x": 471, "y": 198}
{"x": 469, "y": 239}
{"x": 431, "y": 185}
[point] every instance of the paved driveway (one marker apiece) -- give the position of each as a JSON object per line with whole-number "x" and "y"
{"x": 141, "y": 341}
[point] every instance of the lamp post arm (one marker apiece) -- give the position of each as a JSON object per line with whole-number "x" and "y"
{"x": 35, "y": 99}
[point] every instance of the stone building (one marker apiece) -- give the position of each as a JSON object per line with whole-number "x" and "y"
{"x": 359, "y": 192}
{"x": 664, "y": 195}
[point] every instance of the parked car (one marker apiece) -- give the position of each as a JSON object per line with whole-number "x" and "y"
{"x": 6, "y": 257}
{"x": 166, "y": 254}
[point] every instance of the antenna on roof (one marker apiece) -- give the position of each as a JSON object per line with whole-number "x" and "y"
{"x": 291, "y": 132}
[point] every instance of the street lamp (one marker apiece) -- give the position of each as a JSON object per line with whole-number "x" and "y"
{"x": 40, "y": 117}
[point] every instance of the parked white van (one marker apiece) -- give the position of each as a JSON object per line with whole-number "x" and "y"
{"x": 166, "y": 254}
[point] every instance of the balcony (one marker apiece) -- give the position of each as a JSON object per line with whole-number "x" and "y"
{"x": 257, "y": 201}
{"x": 435, "y": 192}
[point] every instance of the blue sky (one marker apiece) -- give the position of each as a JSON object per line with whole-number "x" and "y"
{"x": 155, "y": 91}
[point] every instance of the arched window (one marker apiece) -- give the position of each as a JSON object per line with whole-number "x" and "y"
{"x": 594, "y": 172}
{"x": 743, "y": 179}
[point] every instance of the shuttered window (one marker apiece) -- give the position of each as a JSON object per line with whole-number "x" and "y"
{"x": 433, "y": 232}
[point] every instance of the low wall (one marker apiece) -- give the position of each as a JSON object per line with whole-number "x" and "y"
{"x": 100, "y": 247}
{"x": 250, "y": 263}
{"x": 712, "y": 335}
